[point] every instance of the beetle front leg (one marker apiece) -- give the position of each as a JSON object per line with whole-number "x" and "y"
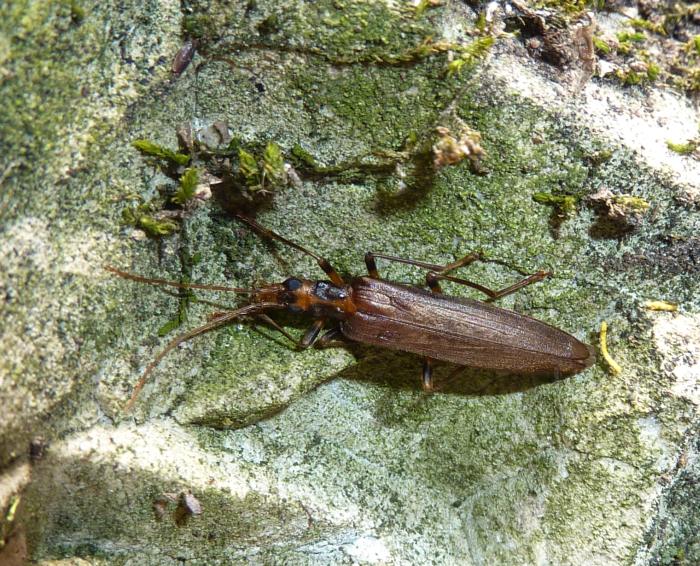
{"x": 306, "y": 341}
{"x": 322, "y": 262}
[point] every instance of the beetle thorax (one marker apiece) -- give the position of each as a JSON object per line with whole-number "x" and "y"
{"x": 321, "y": 299}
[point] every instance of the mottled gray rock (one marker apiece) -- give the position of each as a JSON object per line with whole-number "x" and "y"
{"x": 336, "y": 456}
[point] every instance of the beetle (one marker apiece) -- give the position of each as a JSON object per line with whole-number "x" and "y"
{"x": 375, "y": 311}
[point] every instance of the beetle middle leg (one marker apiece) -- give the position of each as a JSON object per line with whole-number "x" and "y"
{"x": 432, "y": 281}
{"x": 438, "y": 272}
{"x": 433, "y": 278}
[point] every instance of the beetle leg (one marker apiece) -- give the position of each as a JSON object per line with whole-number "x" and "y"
{"x": 307, "y": 340}
{"x": 333, "y": 335}
{"x": 427, "y": 382}
{"x": 438, "y": 272}
{"x": 311, "y": 334}
{"x": 265, "y": 318}
{"x": 371, "y": 264}
{"x": 492, "y": 295}
{"x": 323, "y": 263}
{"x": 370, "y": 261}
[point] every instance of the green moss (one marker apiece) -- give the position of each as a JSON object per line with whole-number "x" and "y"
{"x": 634, "y": 204}
{"x": 653, "y": 71}
{"x": 342, "y": 32}
{"x": 631, "y": 77}
{"x": 187, "y": 187}
{"x": 77, "y": 12}
{"x": 155, "y": 227}
{"x": 686, "y": 148}
{"x": 263, "y": 173}
{"x": 565, "y": 204}
{"x": 142, "y": 216}
{"x": 601, "y": 45}
{"x": 627, "y": 40}
{"x": 149, "y": 148}
{"x": 248, "y": 167}
{"x": 303, "y": 157}
{"x": 627, "y": 36}
{"x": 470, "y": 55}
{"x": 693, "y": 46}
{"x": 273, "y": 165}
{"x": 639, "y": 23}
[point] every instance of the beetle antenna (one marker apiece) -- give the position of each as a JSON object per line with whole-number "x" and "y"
{"x": 222, "y": 319}
{"x": 167, "y": 283}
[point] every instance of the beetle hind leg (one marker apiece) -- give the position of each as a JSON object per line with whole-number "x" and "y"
{"x": 427, "y": 381}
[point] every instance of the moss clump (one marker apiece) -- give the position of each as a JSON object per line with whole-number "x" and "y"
{"x": 653, "y": 71}
{"x": 635, "y": 205}
{"x": 687, "y": 148}
{"x": 626, "y": 41}
{"x": 302, "y": 157}
{"x": 154, "y": 150}
{"x": 643, "y": 73}
{"x": 265, "y": 173}
{"x": 631, "y": 36}
{"x": 273, "y": 165}
{"x": 144, "y": 216}
{"x": 565, "y": 205}
{"x": 693, "y": 46}
{"x": 77, "y": 12}
{"x": 188, "y": 186}
{"x": 641, "y": 24}
{"x": 470, "y": 55}
{"x": 602, "y": 46}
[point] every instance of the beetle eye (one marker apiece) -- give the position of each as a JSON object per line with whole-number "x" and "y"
{"x": 292, "y": 284}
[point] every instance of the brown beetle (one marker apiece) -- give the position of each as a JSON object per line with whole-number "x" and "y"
{"x": 402, "y": 317}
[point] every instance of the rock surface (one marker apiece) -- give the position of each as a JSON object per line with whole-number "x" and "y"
{"x": 242, "y": 450}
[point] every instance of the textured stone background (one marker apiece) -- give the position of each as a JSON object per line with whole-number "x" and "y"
{"x": 335, "y": 456}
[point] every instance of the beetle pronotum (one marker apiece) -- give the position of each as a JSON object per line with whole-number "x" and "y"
{"x": 402, "y": 317}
